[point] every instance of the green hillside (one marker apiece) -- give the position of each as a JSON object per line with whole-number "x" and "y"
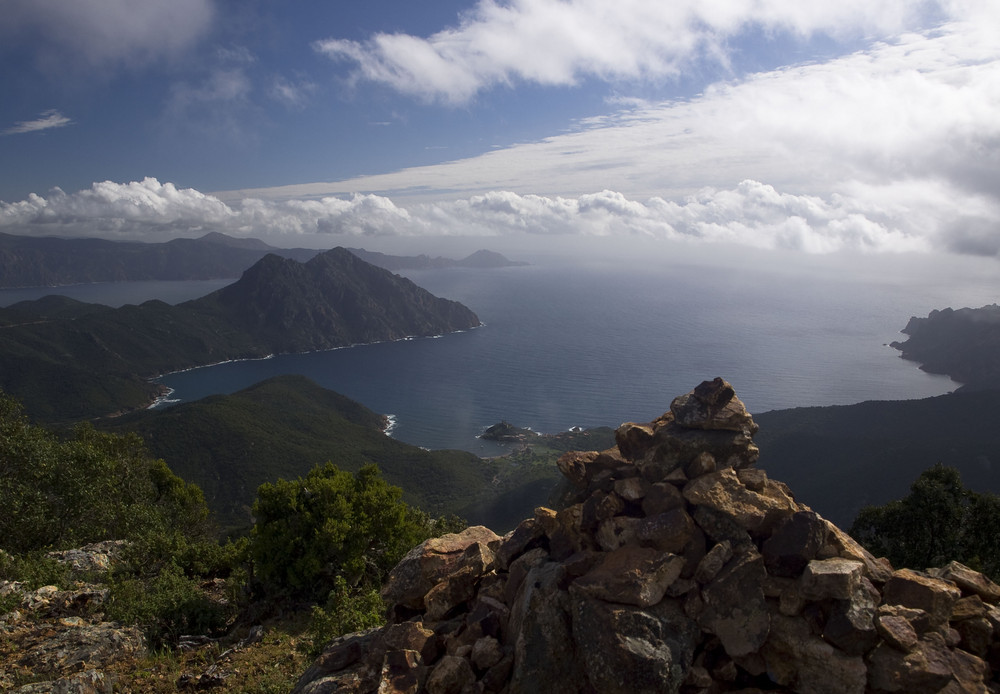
{"x": 839, "y": 459}
{"x": 281, "y": 428}
{"x": 66, "y": 360}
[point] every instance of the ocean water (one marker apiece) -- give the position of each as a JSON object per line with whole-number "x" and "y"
{"x": 598, "y": 343}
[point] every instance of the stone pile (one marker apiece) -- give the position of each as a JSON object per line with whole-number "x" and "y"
{"x": 673, "y": 566}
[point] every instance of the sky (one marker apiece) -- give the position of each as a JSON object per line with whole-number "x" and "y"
{"x": 808, "y": 127}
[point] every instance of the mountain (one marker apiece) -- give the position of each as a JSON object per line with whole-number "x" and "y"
{"x": 674, "y": 565}
{"x": 67, "y": 360}
{"x": 482, "y": 259}
{"x": 963, "y": 343}
{"x": 32, "y": 261}
{"x": 283, "y": 427}
{"x": 333, "y": 300}
{"x": 28, "y": 261}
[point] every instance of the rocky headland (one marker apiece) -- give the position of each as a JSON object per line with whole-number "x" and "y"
{"x": 674, "y": 565}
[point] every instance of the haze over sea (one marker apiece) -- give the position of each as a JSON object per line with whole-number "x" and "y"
{"x": 595, "y": 343}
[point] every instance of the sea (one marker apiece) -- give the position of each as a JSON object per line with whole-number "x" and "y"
{"x": 570, "y": 342}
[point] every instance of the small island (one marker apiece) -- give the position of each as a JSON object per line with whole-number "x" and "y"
{"x": 505, "y": 432}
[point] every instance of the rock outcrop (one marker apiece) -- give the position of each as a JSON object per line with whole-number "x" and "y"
{"x": 673, "y": 565}
{"x": 58, "y": 639}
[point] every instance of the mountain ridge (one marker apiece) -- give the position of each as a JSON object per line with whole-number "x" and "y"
{"x": 68, "y": 360}
{"x": 50, "y": 261}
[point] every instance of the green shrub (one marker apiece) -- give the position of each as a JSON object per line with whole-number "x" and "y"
{"x": 33, "y": 570}
{"x": 166, "y": 606}
{"x": 331, "y": 524}
{"x": 57, "y": 493}
{"x": 346, "y": 610}
{"x": 939, "y": 521}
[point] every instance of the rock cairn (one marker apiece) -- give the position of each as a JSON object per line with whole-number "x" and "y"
{"x": 673, "y": 566}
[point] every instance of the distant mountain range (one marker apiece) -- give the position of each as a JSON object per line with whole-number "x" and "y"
{"x": 67, "y": 360}
{"x": 27, "y": 261}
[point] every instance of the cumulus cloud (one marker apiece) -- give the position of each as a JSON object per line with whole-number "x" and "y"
{"x": 752, "y": 213}
{"x": 561, "y": 43}
{"x": 45, "y": 121}
{"x": 104, "y": 33}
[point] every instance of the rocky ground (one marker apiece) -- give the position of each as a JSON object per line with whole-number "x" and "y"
{"x": 57, "y": 641}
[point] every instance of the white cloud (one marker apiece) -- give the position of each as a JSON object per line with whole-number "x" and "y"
{"x": 66, "y": 35}
{"x": 905, "y": 134}
{"x": 561, "y": 43}
{"x": 751, "y": 213}
{"x": 45, "y": 121}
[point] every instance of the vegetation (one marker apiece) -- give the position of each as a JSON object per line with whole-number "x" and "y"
{"x": 939, "y": 521}
{"x": 67, "y": 360}
{"x": 281, "y": 428}
{"x": 59, "y": 493}
{"x": 328, "y": 538}
{"x": 331, "y": 524}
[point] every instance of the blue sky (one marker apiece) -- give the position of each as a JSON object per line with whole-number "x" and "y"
{"x": 815, "y": 127}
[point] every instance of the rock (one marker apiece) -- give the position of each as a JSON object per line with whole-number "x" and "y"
{"x": 97, "y": 557}
{"x": 722, "y": 491}
{"x": 735, "y": 606}
{"x": 712, "y": 405}
{"x": 934, "y": 596}
{"x": 540, "y": 622}
{"x": 711, "y": 564}
{"x": 794, "y": 544}
{"x": 402, "y": 673}
{"x": 851, "y": 623}
{"x": 450, "y": 675}
{"x": 924, "y": 669}
{"x": 970, "y": 582}
{"x": 805, "y": 663}
{"x": 436, "y": 559}
{"x": 895, "y": 628}
{"x": 831, "y": 578}
{"x": 631, "y": 575}
{"x": 90, "y": 646}
{"x": 89, "y": 682}
{"x": 629, "y": 650}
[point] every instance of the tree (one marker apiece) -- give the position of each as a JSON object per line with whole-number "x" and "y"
{"x": 57, "y": 493}
{"x": 331, "y": 524}
{"x": 940, "y": 521}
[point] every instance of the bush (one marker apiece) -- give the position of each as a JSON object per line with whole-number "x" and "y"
{"x": 346, "y": 610}
{"x": 939, "y": 521}
{"x": 331, "y": 524}
{"x": 166, "y": 606}
{"x": 57, "y": 494}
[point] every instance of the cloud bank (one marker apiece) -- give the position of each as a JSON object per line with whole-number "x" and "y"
{"x": 751, "y": 213}
{"x": 561, "y": 43}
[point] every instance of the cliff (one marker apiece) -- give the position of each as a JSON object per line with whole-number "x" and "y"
{"x": 674, "y": 565}
{"x": 963, "y": 344}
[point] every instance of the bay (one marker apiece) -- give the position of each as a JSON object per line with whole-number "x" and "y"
{"x": 568, "y": 345}
{"x": 569, "y": 342}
